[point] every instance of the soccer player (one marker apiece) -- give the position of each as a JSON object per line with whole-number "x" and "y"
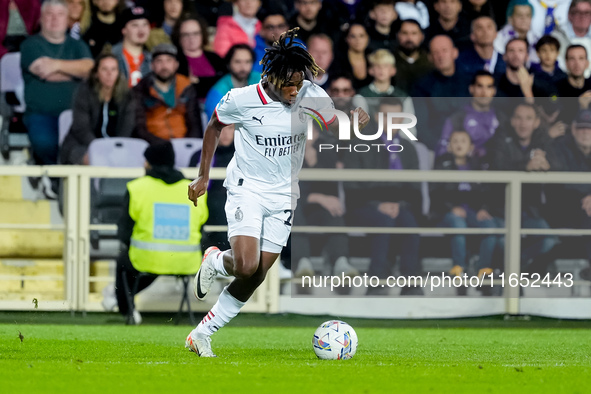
{"x": 261, "y": 180}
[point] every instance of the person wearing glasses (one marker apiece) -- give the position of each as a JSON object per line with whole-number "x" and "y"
{"x": 204, "y": 68}
{"x": 579, "y": 19}
{"x": 274, "y": 23}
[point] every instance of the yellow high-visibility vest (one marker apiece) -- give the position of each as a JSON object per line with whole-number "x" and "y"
{"x": 167, "y": 232}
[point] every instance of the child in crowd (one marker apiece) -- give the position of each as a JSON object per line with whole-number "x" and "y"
{"x": 462, "y": 205}
{"x": 382, "y": 28}
{"x": 382, "y": 67}
{"x": 547, "y": 69}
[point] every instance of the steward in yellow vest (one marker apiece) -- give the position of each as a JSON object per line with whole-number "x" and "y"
{"x": 160, "y": 226}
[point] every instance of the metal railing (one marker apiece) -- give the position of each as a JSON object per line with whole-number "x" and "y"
{"x": 77, "y": 227}
{"x": 77, "y": 224}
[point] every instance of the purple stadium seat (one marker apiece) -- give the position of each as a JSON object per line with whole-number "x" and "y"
{"x": 64, "y": 122}
{"x": 107, "y": 195}
{"x": 184, "y": 149}
{"x": 11, "y": 78}
{"x": 117, "y": 152}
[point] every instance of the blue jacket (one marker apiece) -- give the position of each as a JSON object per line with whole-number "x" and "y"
{"x": 223, "y": 86}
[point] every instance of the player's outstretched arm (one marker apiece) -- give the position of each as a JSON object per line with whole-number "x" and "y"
{"x": 198, "y": 187}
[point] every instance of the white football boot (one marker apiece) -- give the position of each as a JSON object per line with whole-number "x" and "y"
{"x": 206, "y": 274}
{"x": 200, "y": 344}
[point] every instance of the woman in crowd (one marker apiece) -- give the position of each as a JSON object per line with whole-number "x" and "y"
{"x": 352, "y": 59}
{"x": 103, "y": 108}
{"x": 240, "y": 28}
{"x": 203, "y": 67}
{"x": 170, "y": 13}
{"x": 78, "y": 17}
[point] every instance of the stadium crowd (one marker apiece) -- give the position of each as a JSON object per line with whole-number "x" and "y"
{"x": 501, "y": 85}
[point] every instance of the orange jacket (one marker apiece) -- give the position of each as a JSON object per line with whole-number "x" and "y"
{"x": 156, "y": 121}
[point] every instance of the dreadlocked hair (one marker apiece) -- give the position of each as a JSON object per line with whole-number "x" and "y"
{"x": 287, "y": 57}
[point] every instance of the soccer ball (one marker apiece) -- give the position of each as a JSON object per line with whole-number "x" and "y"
{"x": 335, "y": 340}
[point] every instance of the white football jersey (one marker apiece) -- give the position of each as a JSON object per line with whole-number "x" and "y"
{"x": 269, "y": 138}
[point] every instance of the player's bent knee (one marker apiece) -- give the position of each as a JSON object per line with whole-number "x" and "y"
{"x": 244, "y": 268}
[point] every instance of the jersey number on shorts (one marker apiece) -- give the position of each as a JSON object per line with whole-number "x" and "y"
{"x": 288, "y": 220}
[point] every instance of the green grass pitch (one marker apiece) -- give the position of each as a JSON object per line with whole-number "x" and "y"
{"x": 260, "y": 354}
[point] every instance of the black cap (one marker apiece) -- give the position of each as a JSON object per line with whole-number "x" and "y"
{"x": 583, "y": 120}
{"x": 161, "y": 154}
{"x": 133, "y": 13}
{"x": 164, "y": 49}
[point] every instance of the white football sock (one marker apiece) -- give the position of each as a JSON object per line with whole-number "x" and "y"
{"x": 224, "y": 310}
{"x": 218, "y": 263}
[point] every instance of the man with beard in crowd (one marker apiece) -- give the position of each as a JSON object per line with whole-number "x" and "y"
{"x": 167, "y": 104}
{"x": 412, "y": 61}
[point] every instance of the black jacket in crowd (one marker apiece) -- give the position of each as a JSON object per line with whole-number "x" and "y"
{"x": 378, "y": 40}
{"x": 508, "y": 155}
{"x": 565, "y": 200}
{"x": 99, "y": 34}
{"x": 358, "y": 194}
{"x": 87, "y": 114}
{"x": 436, "y": 97}
{"x": 445, "y": 196}
{"x": 325, "y": 159}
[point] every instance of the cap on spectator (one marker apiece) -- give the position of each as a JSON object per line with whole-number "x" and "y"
{"x": 164, "y": 49}
{"x": 130, "y": 14}
{"x": 583, "y": 120}
{"x": 160, "y": 154}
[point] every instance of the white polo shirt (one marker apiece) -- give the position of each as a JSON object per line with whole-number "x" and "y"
{"x": 269, "y": 138}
